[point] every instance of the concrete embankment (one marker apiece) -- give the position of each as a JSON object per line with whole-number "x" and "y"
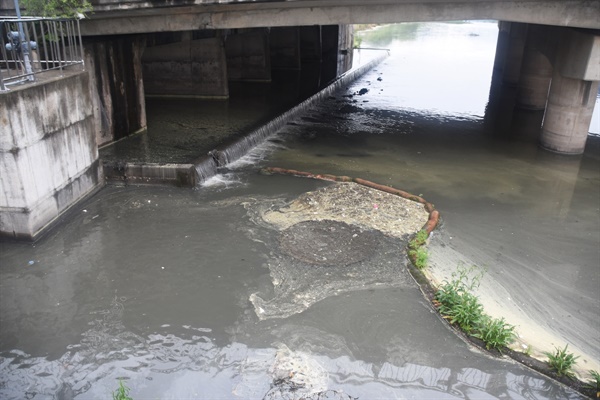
{"x": 48, "y": 154}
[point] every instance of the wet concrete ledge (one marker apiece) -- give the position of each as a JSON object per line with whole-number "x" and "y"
{"x": 183, "y": 175}
{"x": 205, "y": 166}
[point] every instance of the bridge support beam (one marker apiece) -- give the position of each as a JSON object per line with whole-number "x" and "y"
{"x": 572, "y": 93}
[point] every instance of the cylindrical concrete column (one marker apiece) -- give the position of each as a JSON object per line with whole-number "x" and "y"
{"x": 536, "y": 72}
{"x": 568, "y": 114}
{"x": 501, "y": 50}
{"x": 514, "y": 53}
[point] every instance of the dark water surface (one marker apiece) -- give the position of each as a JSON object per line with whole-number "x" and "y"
{"x": 153, "y": 284}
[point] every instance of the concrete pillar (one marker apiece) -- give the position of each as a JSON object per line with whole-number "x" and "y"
{"x": 311, "y": 57}
{"x": 117, "y": 86}
{"x": 536, "y": 69}
{"x": 345, "y": 48}
{"x": 568, "y": 114}
{"x": 248, "y": 55}
{"x": 187, "y": 68}
{"x": 514, "y": 53}
{"x": 572, "y": 93}
{"x": 330, "y": 35}
{"x": 501, "y": 51}
{"x": 498, "y": 110}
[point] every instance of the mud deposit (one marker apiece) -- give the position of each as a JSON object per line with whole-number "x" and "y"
{"x": 339, "y": 238}
{"x": 328, "y": 243}
{"x": 353, "y": 204}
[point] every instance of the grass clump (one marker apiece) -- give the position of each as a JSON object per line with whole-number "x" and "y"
{"x": 457, "y": 303}
{"x": 594, "y": 383}
{"x": 419, "y": 239}
{"x": 460, "y": 306}
{"x": 122, "y": 392}
{"x": 417, "y": 251}
{"x": 496, "y": 333}
{"x": 419, "y": 257}
{"x": 562, "y": 362}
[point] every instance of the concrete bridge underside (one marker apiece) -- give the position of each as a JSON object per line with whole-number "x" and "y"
{"x": 138, "y": 16}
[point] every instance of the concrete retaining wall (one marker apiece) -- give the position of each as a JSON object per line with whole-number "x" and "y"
{"x": 248, "y": 56}
{"x": 188, "y": 68}
{"x": 48, "y": 153}
{"x": 284, "y": 45}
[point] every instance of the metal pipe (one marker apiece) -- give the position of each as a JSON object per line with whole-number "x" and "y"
{"x": 35, "y": 37}
{"x": 58, "y": 55}
{"x": 62, "y": 40}
{"x": 24, "y": 49}
{"x": 2, "y": 87}
{"x": 81, "y": 49}
{"x": 46, "y": 55}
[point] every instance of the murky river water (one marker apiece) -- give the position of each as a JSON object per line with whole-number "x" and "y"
{"x": 153, "y": 285}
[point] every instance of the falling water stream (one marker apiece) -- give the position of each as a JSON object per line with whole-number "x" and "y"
{"x": 158, "y": 286}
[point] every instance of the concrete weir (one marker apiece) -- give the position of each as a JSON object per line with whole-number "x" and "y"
{"x": 37, "y": 185}
{"x": 233, "y": 151}
{"x": 207, "y": 166}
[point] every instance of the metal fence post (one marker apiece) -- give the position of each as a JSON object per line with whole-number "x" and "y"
{"x": 36, "y": 46}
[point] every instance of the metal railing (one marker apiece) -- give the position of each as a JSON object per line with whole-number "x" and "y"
{"x": 33, "y": 46}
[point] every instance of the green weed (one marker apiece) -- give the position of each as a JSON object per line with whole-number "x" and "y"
{"x": 56, "y": 8}
{"x": 594, "y": 383}
{"x": 417, "y": 250}
{"x": 467, "y": 312}
{"x": 419, "y": 239}
{"x": 357, "y": 41}
{"x": 122, "y": 393}
{"x": 496, "y": 333}
{"x": 453, "y": 293}
{"x": 460, "y": 306}
{"x": 419, "y": 256}
{"x": 562, "y": 362}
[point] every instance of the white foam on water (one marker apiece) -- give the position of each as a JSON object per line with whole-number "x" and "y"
{"x": 256, "y": 154}
{"x": 225, "y": 180}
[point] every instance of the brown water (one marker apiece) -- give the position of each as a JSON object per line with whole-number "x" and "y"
{"x": 154, "y": 285}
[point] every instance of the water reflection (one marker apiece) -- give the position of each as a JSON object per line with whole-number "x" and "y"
{"x": 458, "y": 90}
{"x": 167, "y": 366}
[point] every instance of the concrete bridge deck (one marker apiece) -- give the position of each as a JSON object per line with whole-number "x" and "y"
{"x": 140, "y": 16}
